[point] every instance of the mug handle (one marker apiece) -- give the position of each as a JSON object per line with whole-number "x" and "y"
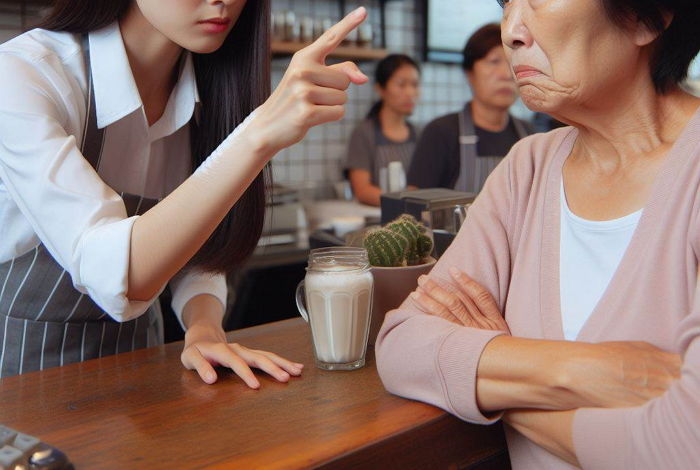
{"x": 300, "y": 297}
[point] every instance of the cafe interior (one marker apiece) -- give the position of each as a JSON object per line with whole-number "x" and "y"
{"x": 353, "y": 222}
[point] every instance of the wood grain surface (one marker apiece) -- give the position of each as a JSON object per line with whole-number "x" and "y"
{"x": 143, "y": 410}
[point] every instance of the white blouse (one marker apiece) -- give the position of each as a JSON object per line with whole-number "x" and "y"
{"x": 50, "y": 194}
{"x": 589, "y": 254}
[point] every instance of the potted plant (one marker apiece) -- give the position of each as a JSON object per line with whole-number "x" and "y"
{"x": 399, "y": 253}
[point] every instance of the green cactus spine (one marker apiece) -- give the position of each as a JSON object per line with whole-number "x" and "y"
{"x": 385, "y": 247}
{"x": 425, "y": 246}
{"x": 401, "y": 242}
{"x": 411, "y": 232}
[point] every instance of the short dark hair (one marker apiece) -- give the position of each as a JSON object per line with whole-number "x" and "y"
{"x": 480, "y": 44}
{"x": 676, "y": 45}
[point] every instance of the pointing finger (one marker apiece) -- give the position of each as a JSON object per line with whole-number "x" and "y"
{"x": 329, "y": 40}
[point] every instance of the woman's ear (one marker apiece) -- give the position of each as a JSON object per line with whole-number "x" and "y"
{"x": 643, "y": 35}
{"x": 469, "y": 74}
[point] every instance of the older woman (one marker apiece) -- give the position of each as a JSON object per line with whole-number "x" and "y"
{"x": 585, "y": 337}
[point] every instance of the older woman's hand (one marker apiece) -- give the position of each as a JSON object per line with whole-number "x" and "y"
{"x": 468, "y": 304}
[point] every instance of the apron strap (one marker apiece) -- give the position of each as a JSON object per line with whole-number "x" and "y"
{"x": 520, "y": 128}
{"x": 93, "y": 136}
{"x": 467, "y": 151}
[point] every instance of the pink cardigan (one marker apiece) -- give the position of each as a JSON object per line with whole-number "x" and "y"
{"x": 510, "y": 244}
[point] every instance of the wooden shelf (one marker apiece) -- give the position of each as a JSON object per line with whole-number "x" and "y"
{"x": 342, "y": 52}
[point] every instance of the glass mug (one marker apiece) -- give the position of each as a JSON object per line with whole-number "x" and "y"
{"x": 335, "y": 298}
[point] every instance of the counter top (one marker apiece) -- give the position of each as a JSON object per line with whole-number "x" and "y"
{"x": 144, "y": 410}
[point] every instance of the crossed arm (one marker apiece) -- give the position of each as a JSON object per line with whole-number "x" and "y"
{"x": 542, "y": 394}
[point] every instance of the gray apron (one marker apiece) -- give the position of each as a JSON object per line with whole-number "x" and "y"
{"x": 474, "y": 170}
{"x": 388, "y": 153}
{"x": 44, "y": 321}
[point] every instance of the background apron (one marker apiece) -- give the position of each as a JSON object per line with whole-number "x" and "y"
{"x": 44, "y": 321}
{"x": 473, "y": 170}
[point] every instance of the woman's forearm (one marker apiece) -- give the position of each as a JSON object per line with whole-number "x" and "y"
{"x": 562, "y": 375}
{"x": 552, "y": 430}
{"x": 527, "y": 373}
{"x": 370, "y": 195}
{"x": 166, "y": 237}
{"x": 362, "y": 187}
{"x": 203, "y": 311}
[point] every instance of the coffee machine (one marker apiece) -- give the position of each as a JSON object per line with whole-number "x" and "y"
{"x": 442, "y": 210}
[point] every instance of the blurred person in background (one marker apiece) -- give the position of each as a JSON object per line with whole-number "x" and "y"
{"x": 461, "y": 149}
{"x": 381, "y": 146}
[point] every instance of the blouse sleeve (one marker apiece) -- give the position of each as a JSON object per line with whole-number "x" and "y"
{"x": 427, "y": 358}
{"x": 663, "y": 433}
{"x": 190, "y": 283}
{"x": 80, "y": 220}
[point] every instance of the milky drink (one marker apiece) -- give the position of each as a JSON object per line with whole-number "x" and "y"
{"x": 339, "y": 300}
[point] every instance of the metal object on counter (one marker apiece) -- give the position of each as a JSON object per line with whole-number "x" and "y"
{"x": 435, "y": 207}
{"x": 442, "y": 210}
{"x": 459, "y": 216}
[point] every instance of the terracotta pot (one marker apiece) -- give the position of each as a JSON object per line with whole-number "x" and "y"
{"x": 391, "y": 287}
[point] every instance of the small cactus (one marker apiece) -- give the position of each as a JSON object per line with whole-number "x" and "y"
{"x": 401, "y": 242}
{"x": 385, "y": 248}
{"x": 425, "y": 246}
{"x": 411, "y": 232}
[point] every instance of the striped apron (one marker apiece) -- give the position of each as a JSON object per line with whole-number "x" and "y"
{"x": 44, "y": 321}
{"x": 473, "y": 170}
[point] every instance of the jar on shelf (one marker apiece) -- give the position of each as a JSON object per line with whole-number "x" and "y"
{"x": 307, "y": 29}
{"x": 292, "y": 27}
{"x": 365, "y": 35}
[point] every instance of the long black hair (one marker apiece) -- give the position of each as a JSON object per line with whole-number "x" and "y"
{"x": 383, "y": 73}
{"x": 231, "y": 82}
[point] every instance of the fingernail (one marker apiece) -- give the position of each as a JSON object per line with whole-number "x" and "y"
{"x": 359, "y": 11}
{"x": 300, "y": 366}
{"x": 421, "y": 279}
{"x": 210, "y": 378}
{"x": 415, "y": 295}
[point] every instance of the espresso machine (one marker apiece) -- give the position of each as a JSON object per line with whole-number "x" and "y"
{"x": 442, "y": 210}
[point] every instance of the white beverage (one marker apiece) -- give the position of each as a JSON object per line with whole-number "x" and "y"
{"x": 339, "y": 300}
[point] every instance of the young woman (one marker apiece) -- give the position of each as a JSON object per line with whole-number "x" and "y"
{"x": 104, "y": 114}
{"x": 385, "y": 136}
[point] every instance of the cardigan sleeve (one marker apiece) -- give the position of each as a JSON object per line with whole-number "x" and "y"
{"x": 663, "y": 433}
{"x": 427, "y": 358}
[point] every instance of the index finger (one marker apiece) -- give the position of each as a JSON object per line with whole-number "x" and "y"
{"x": 332, "y": 38}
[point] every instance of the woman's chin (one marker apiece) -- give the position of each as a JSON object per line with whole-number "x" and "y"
{"x": 536, "y": 100}
{"x": 203, "y": 46}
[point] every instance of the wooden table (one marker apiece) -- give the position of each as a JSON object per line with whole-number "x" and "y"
{"x": 144, "y": 410}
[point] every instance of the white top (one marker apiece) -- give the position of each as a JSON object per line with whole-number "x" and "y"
{"x": 49, "y": 193}
{"x": 589, "y": 253}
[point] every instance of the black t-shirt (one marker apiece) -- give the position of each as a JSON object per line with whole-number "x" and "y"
{"x": 435, "y": 163}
